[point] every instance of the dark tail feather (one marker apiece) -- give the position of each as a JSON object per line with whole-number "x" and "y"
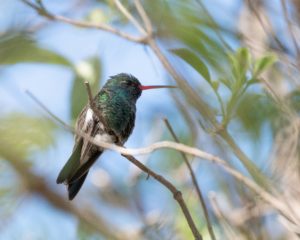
{"x": 74, "y": 187}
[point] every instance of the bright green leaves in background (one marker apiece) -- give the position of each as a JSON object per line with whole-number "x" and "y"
{"x": 262, "y": 64}
{"x": 193, "y": 60}
{"x": 19, "y": 47}
{"x": 243, "y": 71}
{"x": 23, "y": 134}
{"x": 88, "y": 70}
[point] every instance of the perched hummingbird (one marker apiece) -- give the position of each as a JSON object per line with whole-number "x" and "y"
{"x": 116, "y": 103}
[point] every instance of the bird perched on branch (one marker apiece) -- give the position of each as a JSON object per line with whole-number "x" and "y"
{"x": 115, "y": 104}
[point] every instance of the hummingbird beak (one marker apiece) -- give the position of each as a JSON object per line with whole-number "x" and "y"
{"x": 155, "y": 86}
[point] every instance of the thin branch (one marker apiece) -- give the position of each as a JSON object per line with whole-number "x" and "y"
{"x": 264, "y": 27}
{"x": 129, "y": 16}
{"x": 57, "y": 119}
{"x": 287, "y": 19}
{"x": 267, "y": 197}
{"x": 89, "y": 91}
{"x": 214, "y": 24}
{"x": 227, "y": 228}
{"x": 176, "y": 193}
{"x": 195, "y": 182}
{"x": 83, "y": 24}
{"x": 144, "y": 17}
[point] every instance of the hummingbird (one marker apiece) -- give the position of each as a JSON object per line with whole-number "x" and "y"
{"x": 116, "y": 103}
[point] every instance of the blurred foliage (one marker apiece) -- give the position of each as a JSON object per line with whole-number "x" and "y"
{"x": 19, "y": 46}
{"x": 88, "y": 70}
{"x": 24, "y": 134}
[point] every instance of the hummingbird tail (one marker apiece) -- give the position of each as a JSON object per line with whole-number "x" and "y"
{"x": 74, "y": 187}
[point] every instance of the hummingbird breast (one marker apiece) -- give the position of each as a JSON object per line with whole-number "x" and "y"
{"x": 118, "y": 112}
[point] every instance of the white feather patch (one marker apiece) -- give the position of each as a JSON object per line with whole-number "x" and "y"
{"x": 104, "y": 138}
{"x": 88, "y": 118}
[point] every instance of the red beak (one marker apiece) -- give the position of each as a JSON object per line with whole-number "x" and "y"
{"x": 155, "y": 86}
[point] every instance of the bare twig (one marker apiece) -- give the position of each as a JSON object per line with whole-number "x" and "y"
{"x": 83, "y": 24}
{"x": 288, "y": 21}
{"x": 92, "y": 102}
{"x": 228, "y": 231}
{"x": 144, "y": 17}
{"x": 128, "y": 15}
{"x": 195, "y": 183}
{"x": 176, "y": 193}
{"x": 259, "y": 18}
{"x": 215, "y": 25}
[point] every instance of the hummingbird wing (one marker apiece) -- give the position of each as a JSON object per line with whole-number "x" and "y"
{"x": 72, "y": 164}
{"x": 84, "y": 153}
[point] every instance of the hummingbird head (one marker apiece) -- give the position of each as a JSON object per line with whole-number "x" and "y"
{"x": 130, "y": 85}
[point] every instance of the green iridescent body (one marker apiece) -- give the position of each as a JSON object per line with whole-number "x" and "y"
{"x": 118, "y": 106}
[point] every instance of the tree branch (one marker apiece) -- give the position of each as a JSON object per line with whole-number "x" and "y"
{"x": 144, "y": 17}
{"x": 83, "y": 24}
{"x": 176, "y": 193}
{"x": 195, "y": 183}
{"x": 127, "y": 14}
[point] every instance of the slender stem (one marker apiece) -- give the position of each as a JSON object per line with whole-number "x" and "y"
{"x": 195, "y": 182}
{"x": 264, "y": 27}
{"x": 128, "y": 15}
{"x": 144, "y": 16}
{"x": 83, "y": 24}
{"x": 215, "y": 25}
{"x": 289, "y": 23}
{"x": 176, "y": 193}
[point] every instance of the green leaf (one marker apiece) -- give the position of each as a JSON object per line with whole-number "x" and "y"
{"x": 226, "y": 82}
{"x": 22, "y": 134}
{"x": 240, "y": 62}
{"x": 215, "y": 85}
{"x": 244, "y": 59}
{"x": 263, "y": 63}
{"x": 20, "y": 47}
{"x": 88, "y": 70}
{"x": 253, "y": 81}
{"x": 193, "y": 60}
{"x": 254, "y": 110}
